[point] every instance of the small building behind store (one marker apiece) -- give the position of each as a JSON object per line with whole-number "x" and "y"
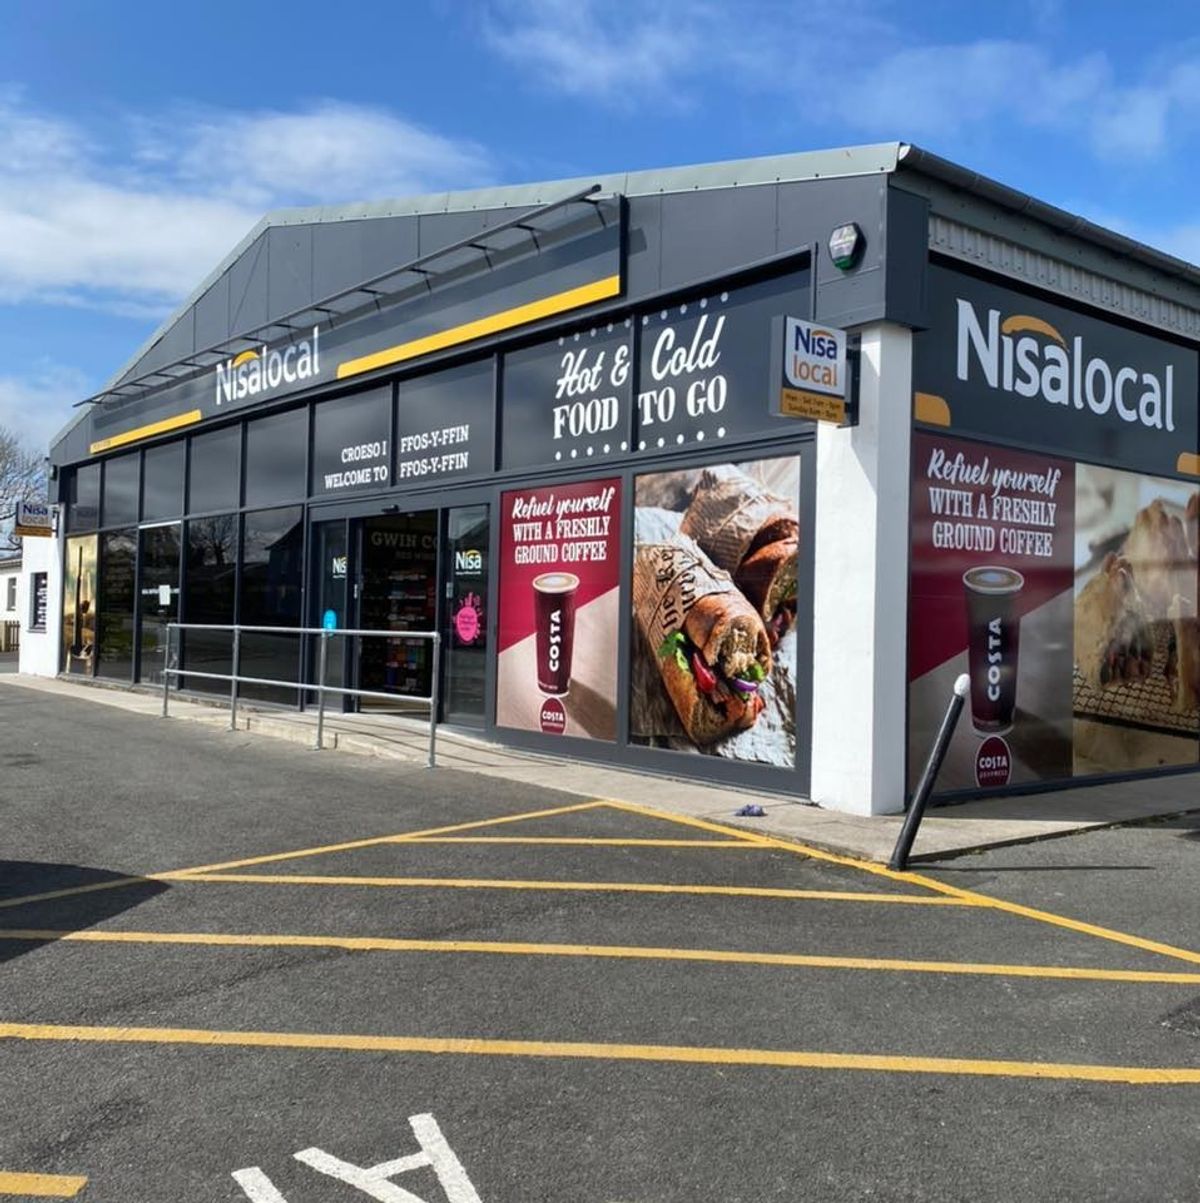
{"x": 722, "y": 472}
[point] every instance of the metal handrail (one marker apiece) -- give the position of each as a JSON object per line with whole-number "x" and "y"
{"x": 236, "y": 678}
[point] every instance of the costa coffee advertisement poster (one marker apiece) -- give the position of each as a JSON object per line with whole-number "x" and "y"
{"x": 992, "y": 595}
{"x": 559, "y": 585}
{"x": 1137, "y": 652}
{"x": 714, "y": 610}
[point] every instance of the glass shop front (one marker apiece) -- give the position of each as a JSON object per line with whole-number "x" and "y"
{"x": 609, "y": 527}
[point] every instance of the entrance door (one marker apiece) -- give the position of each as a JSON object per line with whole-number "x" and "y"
{"x": 464, "y": 625}
{"x": 330, "y": 562}
{"x": 397, "y": 591}
{"x": 159, "y": 600}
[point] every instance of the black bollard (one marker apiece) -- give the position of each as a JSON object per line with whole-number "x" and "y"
{"x": 916, "y": 808}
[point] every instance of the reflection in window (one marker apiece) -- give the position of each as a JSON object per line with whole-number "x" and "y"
{"x": 118, "y": 562}
{"x": 83, "y": 498}
{"x": 79, "y": 606}
{"x": 272, "y": 567}
{"x": 158, "y": 604}
{"x": 210, "y": 583}
{"x": 276, "y": 458}
{"x": 214, "y": 482}
{"x": 121, "y": 489}
{"x": 162, "y": 481}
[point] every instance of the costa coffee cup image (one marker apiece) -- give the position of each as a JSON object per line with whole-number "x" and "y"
{"x": 554, "y": 598}
{"x": 993, "y": 643}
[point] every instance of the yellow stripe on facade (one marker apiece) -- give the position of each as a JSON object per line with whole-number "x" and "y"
{"x": 146, "y": 432}
{"x": 506, "y": 319}
{"x": 662, "y": 1053}
{"x": 41, "y": 1186}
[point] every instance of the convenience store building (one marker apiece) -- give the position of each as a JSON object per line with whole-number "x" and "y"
{"x": 546, "y": 421}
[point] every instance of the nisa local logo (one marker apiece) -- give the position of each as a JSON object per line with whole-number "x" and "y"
{"x": 254, "y": 372}
{"x": 1026, "y": 355}
{"x": 468, "y": 563}
{"x": 814, "y": 357}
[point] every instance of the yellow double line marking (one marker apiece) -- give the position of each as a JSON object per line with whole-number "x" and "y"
{"x": 603, "y": 952}
{"x": 41, "y": 1186}
{"x": 661, "y": 1053}
{"x": 613, "y": 887}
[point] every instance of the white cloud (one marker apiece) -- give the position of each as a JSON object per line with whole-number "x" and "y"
{"x": 36, "y": 406}
{"x": 595, "y": 51}
{"x": 885, "y": 83}
{"x": 133, "y": 228}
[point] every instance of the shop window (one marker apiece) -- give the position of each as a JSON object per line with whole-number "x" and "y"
{"x": 118, "y": 564}
{"x": 715, "y": 599}
{"x": 276, "y": 458}
{"x": 162, "y": 481}
{"x": 210, "y": 593}
{"x": 83, "y": 499}
{"x": 352, "y": 443}
{"x": 79, "y": 606}
{"x": 120, "y": 503}
{"x": 272, "y": 568}
{"x": 214, "y": 482}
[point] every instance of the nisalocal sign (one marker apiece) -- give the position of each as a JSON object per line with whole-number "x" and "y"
{"x": 1012, "y": 366}
{"x": 815, "y": 372}
{"x": 34, "y": 518}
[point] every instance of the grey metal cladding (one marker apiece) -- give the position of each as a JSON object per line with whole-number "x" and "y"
{"x": 177, "y": 341}
{"x": 643, "y": 246}
{"x": 248, "y": 287}
{"x": 289, "y": 268}
{"x": 212, "y": 313}
{"x": 436, "y": 230}
{"x": 905, "y": 258}
{"x": 1033, "y": 265}
{"x": 711, "y": 233}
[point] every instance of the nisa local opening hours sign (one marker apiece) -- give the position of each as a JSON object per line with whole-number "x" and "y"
{"x": 814, "y": 371}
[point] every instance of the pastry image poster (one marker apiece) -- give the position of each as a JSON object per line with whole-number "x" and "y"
{"x": 714, "y": 608}
{"x": 992, "y": 595}
{"x": 559, "y": 585}
{"x": 1137, "y": 654}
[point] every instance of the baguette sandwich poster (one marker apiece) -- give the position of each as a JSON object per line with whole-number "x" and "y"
{"x": 714, "y": 609}
{"x": 559, "y": 585}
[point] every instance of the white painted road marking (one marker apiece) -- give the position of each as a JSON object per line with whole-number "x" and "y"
{"x": 375, "y": 1180}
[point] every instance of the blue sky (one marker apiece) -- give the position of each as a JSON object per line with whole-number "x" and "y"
{"x": 139, "y": 141}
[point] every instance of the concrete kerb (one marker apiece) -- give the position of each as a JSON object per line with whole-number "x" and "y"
{"x": 955, "y": 831}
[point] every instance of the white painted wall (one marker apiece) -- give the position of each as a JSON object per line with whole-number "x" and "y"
{"x": 860, "y": 598}
{"x": 11, "y": 571}
{"x": 40, "y": 652}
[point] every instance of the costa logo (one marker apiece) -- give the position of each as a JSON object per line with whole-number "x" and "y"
{"x": 993, "y": 763}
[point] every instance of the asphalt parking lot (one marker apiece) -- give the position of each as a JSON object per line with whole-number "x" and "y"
{"x": 232, "y": 969}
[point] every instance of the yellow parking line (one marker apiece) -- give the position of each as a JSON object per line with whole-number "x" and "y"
{"x": 604, "y": 951}
{"x": 172, "y": 874}
{"x": 41, "y": 1186}
{"x": 969, "y": 897}
{"x": 669, "y": 1053}
{"x": 402, "y": 837}
{"x": 616, "y": 887}
{"x": 586, "y": 841}
{"x": 112, "y": 884}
